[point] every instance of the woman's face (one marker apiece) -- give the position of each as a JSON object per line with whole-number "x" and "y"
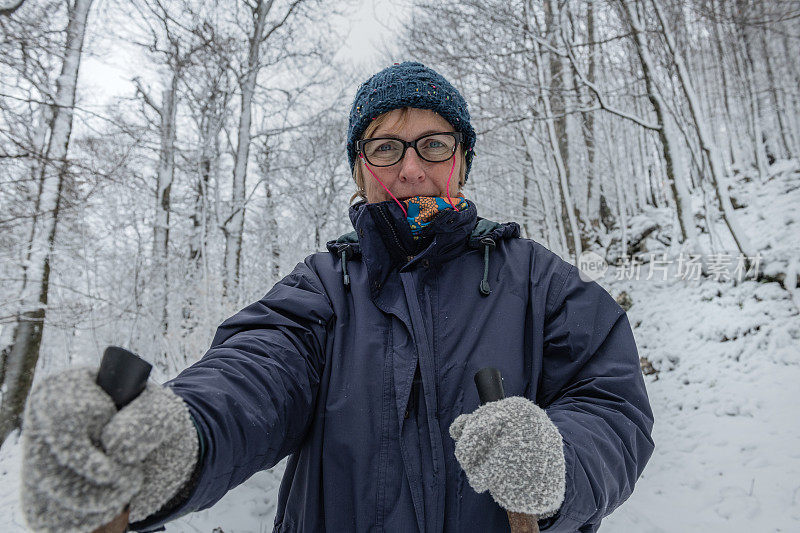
{"x": 412, "y": 176}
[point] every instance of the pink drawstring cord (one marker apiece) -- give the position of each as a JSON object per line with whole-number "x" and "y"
{"x": 448, "y": 184}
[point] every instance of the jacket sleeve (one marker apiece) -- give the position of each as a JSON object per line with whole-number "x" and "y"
{"x": 252, "y": 394}
{"x": 593, "y": 390}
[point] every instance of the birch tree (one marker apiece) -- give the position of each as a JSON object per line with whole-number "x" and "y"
{"x": 20, "y": 358}
{"x": 209, "y": 92}
{"x": 165, "y": 173}
{"x": 593, "y": 189}
{"x": 264, "y": 161}
{"x": 174, "y": 45}
{"x": 233, "y": 226}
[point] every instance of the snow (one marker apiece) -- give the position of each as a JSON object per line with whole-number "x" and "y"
{"x": 249, "y": 508}
{"x": 11, "y": 519}
{"x": 771, "y": 214}
{"x": 727, "y": 428}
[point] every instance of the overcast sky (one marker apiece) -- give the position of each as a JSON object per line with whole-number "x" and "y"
{"x": 372, "y": 27}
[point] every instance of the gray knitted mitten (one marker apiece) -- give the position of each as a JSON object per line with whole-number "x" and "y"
{"x": 511, "y": 448}
{"x": 69, "y": 483}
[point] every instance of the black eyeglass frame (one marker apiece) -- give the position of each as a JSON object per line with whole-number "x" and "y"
{"x": 360, "y": 144}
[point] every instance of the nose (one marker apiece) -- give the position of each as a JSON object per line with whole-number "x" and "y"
{"x": 411, "y": 169}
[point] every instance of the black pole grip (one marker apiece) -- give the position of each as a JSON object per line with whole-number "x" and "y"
{"x": 123, "y": 375}
{"x": 490, "y": 385}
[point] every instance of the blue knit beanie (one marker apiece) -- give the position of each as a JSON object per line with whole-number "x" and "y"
{"x": 409, "y": 84}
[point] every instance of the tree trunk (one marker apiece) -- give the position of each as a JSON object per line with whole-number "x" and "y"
{"x": 527, "y": 182}
{"x": 791, "y": 98}
{"x": 272, "y": 230}
{"x": 23, "y": 354}
{"x": 744, "y": 65}
{"x": 530, "y": 177}
{"x": 645, "y": 194}
{"x": 783, "y": 129}
{"x": 592, "y": 180}
{"x": 613, "y": 148}
{"x": 199, "y": 217}
{"x": 683, "y": 205}
{"x": 556, "y": 130}
{"x": 728, "y": 119}
{"x": 234, "y": 225}
{"x": 270, "y": 213}
{"x": 164, "y": 178}
{"x": 711, "y": 151}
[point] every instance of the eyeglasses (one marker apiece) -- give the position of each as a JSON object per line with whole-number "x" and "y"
{"x": 387, "y": 151}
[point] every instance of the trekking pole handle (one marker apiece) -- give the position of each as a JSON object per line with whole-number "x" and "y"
{"x": 123, "y": 376}
{"x": 489, "y": 382}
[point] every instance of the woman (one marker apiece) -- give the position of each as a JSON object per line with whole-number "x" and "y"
{"x": 360, "y": 364}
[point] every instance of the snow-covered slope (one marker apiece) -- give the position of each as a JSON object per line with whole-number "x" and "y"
{"x": 727, "y": 428}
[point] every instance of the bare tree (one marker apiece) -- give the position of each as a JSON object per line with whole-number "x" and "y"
{"x": 174, "y": 44}
{"x": 700, "y": 123}
{"x": 666, "y": 135}
{"x": 166, "y": 111}
{"x": 233, "y": 226}
{"x": 209, "y": 91}
{"x": 264, "y": 163}
{"x": 555, "y": 109}
{"x": 19, "y": 361}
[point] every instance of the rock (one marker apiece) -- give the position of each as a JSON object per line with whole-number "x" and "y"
{"x": 647, "y": 367}
{"x": 624, "y": 301}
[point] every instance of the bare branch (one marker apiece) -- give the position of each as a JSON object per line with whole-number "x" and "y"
{"x": 145, "y": 96}
{"x": 598, "y": 94}
{"x": 285, "y": 17}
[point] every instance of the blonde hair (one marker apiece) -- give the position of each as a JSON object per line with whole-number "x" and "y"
{"x": 358, "y": 168}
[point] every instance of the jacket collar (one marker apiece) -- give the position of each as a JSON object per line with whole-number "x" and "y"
{"x": 383, "y": 231}
{"x": 382, "y": 238}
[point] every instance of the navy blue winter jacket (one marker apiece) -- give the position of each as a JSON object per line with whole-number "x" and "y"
{"x": 357, "y": 362}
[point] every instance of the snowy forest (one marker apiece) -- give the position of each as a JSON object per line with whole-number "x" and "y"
{"x": 164, "y": 162}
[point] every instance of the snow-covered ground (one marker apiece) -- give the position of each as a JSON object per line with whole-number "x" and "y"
{"x": 727, "y": 430}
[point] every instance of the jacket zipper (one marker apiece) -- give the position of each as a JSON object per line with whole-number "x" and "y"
{"x": 402, "y": 248}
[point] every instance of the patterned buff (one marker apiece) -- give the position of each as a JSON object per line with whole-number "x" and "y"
{"x": 422, "y": 209}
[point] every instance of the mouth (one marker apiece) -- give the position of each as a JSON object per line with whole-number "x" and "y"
{"x": 404, "y": 198}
